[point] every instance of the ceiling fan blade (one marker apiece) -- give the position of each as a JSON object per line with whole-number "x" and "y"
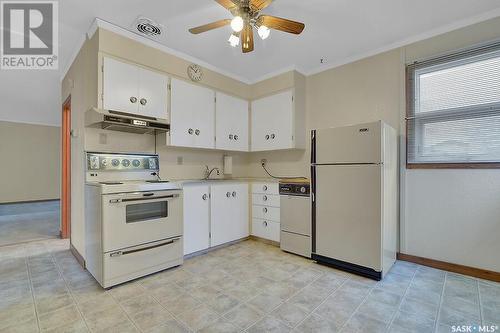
{"x": 259, "y": 4}
{"x": 210, "y": 26}
{"x": 281, "y": 24}
{"x": 228, "y": 4}
{"x": 247, "y": 39}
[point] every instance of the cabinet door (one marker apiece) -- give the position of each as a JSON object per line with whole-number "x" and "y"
{"x": 196, "y": 218}
{"x": 192, "y": 115}
{"x": 120, "y": 86}
{"x": 272, "y": 122}
{"x": 229, "y": 213}
{"x": 231, "y": 123}
{"x": 153, "y": 92}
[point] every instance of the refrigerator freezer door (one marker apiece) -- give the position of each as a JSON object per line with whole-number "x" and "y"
{"x": 357, "y": 144}
{"x": 348, "y": 214}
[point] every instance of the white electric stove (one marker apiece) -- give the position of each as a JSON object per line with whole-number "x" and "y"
{"x": 133, "y": 220}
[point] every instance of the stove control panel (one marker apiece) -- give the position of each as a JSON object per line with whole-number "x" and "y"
{"x": 121, "y": 162}
{"x": 295, "y": 189}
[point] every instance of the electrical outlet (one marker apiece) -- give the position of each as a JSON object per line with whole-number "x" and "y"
{"x": 263, "y": 162}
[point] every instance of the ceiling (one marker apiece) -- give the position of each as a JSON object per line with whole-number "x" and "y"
{"x": 337, "y": 31}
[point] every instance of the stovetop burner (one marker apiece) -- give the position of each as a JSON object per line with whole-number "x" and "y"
{"x": 157, "y": 181}
{"x": 111, "y": 183}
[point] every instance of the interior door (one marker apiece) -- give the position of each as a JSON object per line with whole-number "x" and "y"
{"x": 348, "y": 213}
{"x": 196, "y": 218}
{"x": 231, "y": 115}
{"x": 272, "y": 122}
{"x": 120, "y": 86}
{"x": 153, "y": 94}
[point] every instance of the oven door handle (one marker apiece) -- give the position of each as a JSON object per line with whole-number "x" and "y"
{"x": 171, "y": 196}
{"x": 123, "y": 253}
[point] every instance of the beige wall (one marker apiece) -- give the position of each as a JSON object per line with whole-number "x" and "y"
{"x": 30, "y": 162}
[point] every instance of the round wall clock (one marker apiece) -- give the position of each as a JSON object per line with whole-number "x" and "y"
{"x": 195, "y": 72}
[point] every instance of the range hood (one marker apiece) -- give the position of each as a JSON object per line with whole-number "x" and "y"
{"x": 125, "y": 122}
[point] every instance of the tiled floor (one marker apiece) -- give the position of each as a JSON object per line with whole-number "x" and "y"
{"x": 28, "y": 222}
{"x": 249, "y": 287}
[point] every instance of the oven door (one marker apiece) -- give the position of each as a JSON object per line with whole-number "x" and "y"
{"x": 131, "y": 219}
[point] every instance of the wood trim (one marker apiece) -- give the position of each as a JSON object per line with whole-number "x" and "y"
{"x": 77, "y": 255}
{"x": 455, "y": 268}
{"x": 66, "y": 169}
{"x": 453, "y": 165}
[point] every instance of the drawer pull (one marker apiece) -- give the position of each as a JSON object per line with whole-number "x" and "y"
{"x": 264, "y": 198}
{"x": 205, "y": 197}
{"x": 228, "y": 194}
{"x": 234, "y": 194}
{"x": 264, "y": 188}
{"x": 264, "y": 210}
{"x": 264, "y": 223}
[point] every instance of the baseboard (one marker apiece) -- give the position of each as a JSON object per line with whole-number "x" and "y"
{"x": 27, "y": 201}
{"x": 265, "y": 241}
{"x": 455, "y": 268}
{"x": 77, "y": 255}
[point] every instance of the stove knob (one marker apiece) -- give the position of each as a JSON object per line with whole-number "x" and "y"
{"x": 136, "y": 163}
{"x": 125, "y": 162}
{"x": 104, "y": 163}
{"x": 115, "y": 162}
{"x": 303, "y": 189}
{"x": 94, "y": 162}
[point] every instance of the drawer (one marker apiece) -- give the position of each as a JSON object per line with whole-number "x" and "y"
{"x": 266, "y": 213}
{"x": 266, "y": 200}
{"x": 295, "y": 243}
{"x": 266, "y": 229}
{"x": 265, "y": 188}
{"x": 134, "y": 262}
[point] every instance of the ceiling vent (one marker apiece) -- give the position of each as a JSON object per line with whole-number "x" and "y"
{"x": 149, "y": 28}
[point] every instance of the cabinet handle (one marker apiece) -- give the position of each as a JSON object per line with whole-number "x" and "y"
{"x": 236, "y": 137}
{"x": 228, "y": 194}
{"x": 231, "y": 136}
{"x": 234, "y": 194}
{"x": 133, "y": 99}
{"x": 264, "y": 223}
{"x": 143, "y": 101}
{"x": 264, "y": 187}
{"x": 264, "y": 198}
{"x": 190, "y": 131}
{"x": 197, "y": 132}
{"x": 273, "y": 136}
{"x": 205, "y": 197}
{"x": 264, "y": 210}
{"x": 267, "y": 137}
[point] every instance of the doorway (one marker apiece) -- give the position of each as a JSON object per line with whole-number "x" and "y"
{"x": 66, "y": 169}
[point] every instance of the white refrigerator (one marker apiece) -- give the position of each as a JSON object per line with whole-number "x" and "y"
{"x": 354, "y": 193}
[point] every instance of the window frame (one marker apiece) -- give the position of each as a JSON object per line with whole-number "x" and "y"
{"x": 478, "y": 53}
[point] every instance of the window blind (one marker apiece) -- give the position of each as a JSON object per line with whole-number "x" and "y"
{"x": 453, "y": 109}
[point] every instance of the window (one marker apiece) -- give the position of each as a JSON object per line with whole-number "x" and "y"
{"x": 453, "y": 111}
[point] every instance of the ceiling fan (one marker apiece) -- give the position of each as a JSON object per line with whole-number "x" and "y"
{"x": 247, "y": 17}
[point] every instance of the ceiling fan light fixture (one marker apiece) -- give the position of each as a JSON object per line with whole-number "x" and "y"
{"x": 237, "y": 23}
{"x": 234, "y": 40}
{"x": 264, "y": 32}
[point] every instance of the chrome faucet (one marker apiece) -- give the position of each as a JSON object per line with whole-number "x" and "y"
{"x": 208, "y": 171}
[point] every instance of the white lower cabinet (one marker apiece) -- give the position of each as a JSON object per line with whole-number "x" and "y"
{"x": 229, "y": 213}
{"x": 266, "y": 211}
{"x": 196, "y": 218}
{"x": 214, "y": 215}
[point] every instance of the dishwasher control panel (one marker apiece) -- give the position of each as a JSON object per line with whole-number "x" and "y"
{"x": 296, "y": 189}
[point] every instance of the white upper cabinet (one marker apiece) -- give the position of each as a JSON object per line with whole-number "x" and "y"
{"x": 229, "y": 213}
{"x": 273, "y": 122}
{"x": 231, "y": 115}
{"x": 132, "y": 89}
{"x": 192, "y": 115}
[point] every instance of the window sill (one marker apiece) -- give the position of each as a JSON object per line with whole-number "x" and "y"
{"x": 453, "y": 165}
